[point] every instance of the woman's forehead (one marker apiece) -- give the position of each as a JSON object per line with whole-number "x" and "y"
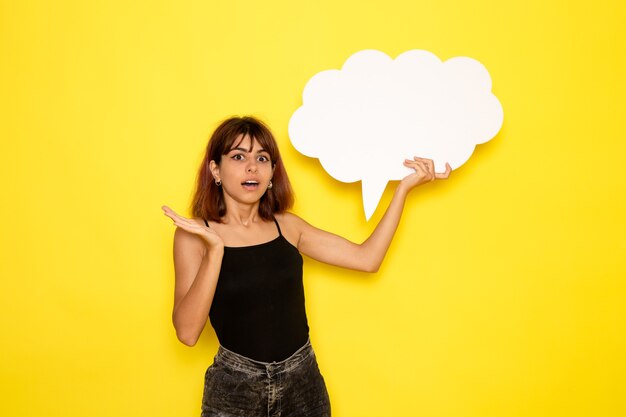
{"x": 246, "y": 142}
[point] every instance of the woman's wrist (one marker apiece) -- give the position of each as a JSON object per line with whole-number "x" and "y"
{"x": 402, "y": 190}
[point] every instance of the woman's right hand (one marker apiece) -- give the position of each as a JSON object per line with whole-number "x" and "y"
{"x": 208, "y": 235}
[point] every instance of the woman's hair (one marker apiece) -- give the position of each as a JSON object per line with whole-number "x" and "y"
{"x": 208, "y": 201}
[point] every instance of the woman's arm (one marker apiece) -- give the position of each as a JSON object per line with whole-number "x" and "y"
{"x": 198, "y": 255}
{"x": 368, "y": 256}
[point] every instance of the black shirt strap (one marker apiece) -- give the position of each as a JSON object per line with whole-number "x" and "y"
{"x": 277, "y": 226}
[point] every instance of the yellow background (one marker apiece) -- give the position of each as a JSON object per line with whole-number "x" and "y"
{"x": 502, "y": 294}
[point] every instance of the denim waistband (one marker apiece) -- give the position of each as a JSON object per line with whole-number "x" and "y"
{"x": 253, "y": 367}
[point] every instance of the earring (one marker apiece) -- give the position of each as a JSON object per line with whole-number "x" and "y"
{"x": 218, "y": 183}
{"x": 270, "y": 185}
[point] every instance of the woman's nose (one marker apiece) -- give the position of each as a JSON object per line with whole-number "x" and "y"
{"x": 252, "y": 167}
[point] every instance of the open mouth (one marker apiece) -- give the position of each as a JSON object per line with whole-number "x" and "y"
{"x": 250, "y": 185}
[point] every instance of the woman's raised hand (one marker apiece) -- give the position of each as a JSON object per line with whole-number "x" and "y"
{"x": 424, "y": 172}
{"x": 207, "y": 234}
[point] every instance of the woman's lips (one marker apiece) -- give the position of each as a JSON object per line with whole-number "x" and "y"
{"x": 250, "y": 185}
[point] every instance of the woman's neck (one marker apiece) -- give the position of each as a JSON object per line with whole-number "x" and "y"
{"x": 241, "y": 214}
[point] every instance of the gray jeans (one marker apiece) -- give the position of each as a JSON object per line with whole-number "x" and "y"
{"x": 235, "y": 385}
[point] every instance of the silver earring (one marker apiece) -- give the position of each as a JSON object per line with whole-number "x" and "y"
{"x": 270, "y": 185}
{"x": 218, "y": 183}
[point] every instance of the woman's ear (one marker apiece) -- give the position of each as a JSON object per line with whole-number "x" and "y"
{"x": 215, "y": 170}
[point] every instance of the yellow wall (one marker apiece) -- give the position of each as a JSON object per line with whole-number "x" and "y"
{"x": 502, "y": 294}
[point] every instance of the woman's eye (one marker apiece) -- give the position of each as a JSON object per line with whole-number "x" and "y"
{"x": 263, "y": 158}
{"x": 238, "y": 157}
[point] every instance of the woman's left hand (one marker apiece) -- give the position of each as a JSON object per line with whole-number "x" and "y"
{"x": 424, "y": 172}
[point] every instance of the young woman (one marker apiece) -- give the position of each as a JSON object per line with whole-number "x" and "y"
{"x": 238, "y": 263}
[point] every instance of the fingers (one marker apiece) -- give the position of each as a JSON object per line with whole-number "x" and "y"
{"x": 446, "y": 174}
{"x": 170, "y": 213}
{"x": 179, "y": 220}
{"x": 427, "y": 162}
{"x": 426, "y": 167}
{"x": 418, "y": 165}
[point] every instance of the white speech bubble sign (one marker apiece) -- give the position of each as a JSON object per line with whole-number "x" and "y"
{"x": 362, "y": 121}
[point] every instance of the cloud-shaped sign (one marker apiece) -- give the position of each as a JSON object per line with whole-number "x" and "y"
{"x": 362, "y": 121}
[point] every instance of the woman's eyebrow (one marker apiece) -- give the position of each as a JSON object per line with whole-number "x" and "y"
{"x": 247, "y": 150}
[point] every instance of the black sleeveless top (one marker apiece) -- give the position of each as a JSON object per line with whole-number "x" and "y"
{"x": 258, "y": 307}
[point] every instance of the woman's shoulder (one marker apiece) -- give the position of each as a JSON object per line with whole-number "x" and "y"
{"x": 291, "y": 226}
{"x": 289, "y": 219}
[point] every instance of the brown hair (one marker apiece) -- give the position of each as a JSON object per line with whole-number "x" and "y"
{"x": 208, "y": 201}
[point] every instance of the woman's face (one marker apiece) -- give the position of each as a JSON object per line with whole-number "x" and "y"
{"x": 245, "y": 171}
